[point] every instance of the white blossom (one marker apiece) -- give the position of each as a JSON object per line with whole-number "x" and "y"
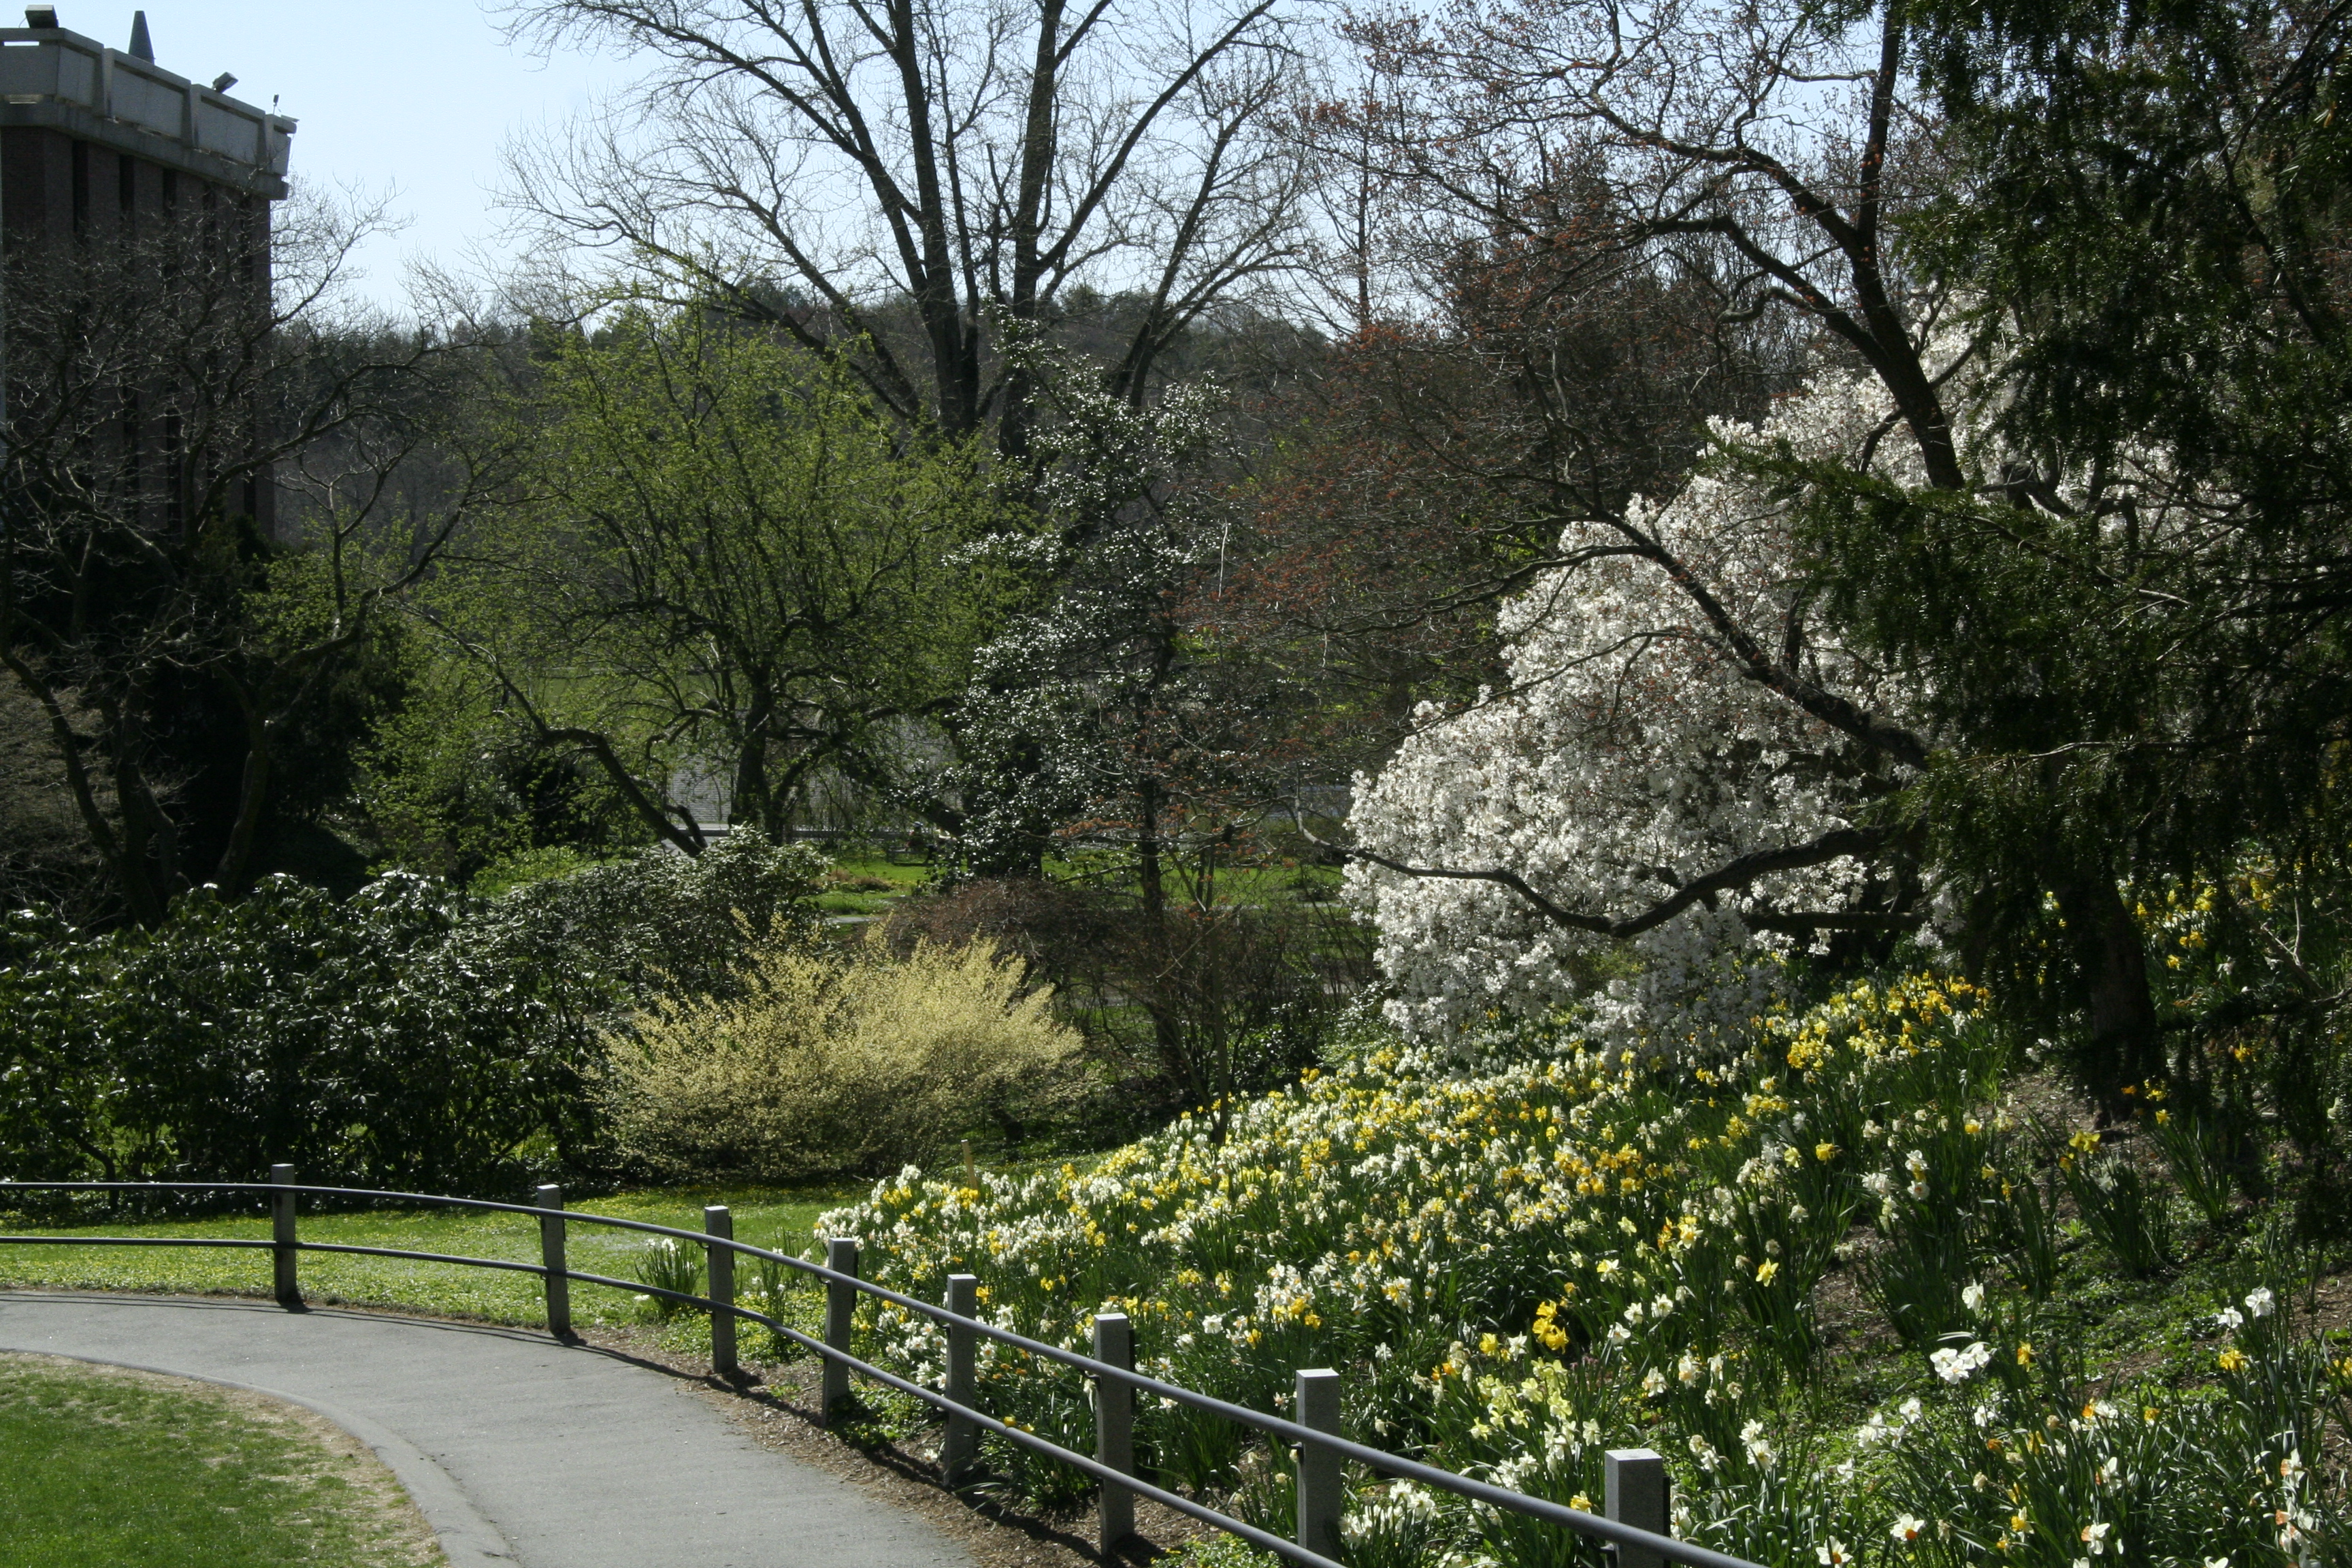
{"x": 1960, "y": 1366}
{"x": 1628, "y": 751}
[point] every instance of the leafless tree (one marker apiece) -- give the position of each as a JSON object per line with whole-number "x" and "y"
{"x": 887, "y": 179}
{"x": 1780, "y": 137}
{"x": 1759, "y": 151}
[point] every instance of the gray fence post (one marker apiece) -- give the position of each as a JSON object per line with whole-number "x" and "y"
{"x": 1320, "y": 1498}
{"x": 961, "y": 1445}
{"x": 840, "y": 1312}
{"x": 551, "y": 1256}
{"x": 282, "y": 1253}
{"x": 1115, "y": 1428}
{"x": 1634, "y": 1487}
{"x": 717, "y": 1221}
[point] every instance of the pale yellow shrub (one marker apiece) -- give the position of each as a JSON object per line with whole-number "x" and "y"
{"x": 855, "y": 1061}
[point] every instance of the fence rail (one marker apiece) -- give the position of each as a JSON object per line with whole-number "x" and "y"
{"x": 1633, "y": 1526}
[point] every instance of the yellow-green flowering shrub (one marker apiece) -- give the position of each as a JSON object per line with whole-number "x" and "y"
{"x": 825, "y": 1061}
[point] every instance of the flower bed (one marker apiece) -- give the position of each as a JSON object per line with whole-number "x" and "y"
{"x": 1521, "y": 1267}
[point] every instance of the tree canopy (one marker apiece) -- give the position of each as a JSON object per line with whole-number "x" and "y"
{"x": 723, "y": 559}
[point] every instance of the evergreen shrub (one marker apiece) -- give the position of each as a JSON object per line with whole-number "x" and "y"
{"x": 407, "y": 1037}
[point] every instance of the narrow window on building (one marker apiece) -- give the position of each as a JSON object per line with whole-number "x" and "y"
{"x": 134, "y": 455}
{"x": 173, "y": 239}
{"x": 126, "y": 187}
{"x": 175, "y": 476}
{"x": 80, "y": 188}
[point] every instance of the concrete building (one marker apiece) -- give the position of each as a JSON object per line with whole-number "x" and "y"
{"x": 104, "y": 146}
{"x": 88, "y": 127}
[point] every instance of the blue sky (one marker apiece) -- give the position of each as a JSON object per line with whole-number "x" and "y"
{"x": 413, "y": 96}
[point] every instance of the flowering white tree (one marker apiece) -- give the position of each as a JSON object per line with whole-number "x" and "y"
{"x": 1677, "y": 763}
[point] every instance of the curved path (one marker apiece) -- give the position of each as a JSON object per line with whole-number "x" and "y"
{"x": 520, "y": 1450}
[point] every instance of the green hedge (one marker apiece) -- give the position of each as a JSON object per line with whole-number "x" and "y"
{"x": 406, "y": 1037}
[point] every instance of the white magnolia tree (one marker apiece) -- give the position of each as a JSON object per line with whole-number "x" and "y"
{"x": 1657, "y": 783}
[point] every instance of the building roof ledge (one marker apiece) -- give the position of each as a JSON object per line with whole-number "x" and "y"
{"x": 58, "y": 79}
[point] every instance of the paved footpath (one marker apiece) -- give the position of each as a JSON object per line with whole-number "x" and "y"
{"x": 521, "y": 1451}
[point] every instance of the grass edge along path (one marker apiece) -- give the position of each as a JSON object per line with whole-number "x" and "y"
{"x": 781, "y": 1220}
{"x": 110, "y": 1465}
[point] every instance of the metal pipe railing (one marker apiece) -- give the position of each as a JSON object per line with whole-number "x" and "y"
{"x": 1636, "y": 1524}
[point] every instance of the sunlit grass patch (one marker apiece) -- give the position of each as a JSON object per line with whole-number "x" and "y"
{"x": 869, "y": 884}
{"x": 110, "y": 1469}
{"x": 780, "y": 1220}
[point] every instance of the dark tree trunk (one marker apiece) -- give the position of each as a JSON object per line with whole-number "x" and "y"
{"x": 1150, "y": 870}
{"x": 2124, "y": 1047}
{"x": 235, "y": 869}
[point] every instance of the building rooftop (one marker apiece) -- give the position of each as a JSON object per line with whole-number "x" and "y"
{"x": 64, "y": 82}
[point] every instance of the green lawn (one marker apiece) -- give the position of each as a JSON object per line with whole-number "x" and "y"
{"x": 102, "y": 1468}
{"x": 851, "y": 888}
{"x": 766, "y": 1217}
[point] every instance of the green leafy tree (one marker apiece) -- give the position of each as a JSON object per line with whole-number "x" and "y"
{"x": 448, "y": 784}
{"x": 724, "y": 561}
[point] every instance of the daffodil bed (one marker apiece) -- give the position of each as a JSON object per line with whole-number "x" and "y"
{"x": 1522, "y": 1265}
